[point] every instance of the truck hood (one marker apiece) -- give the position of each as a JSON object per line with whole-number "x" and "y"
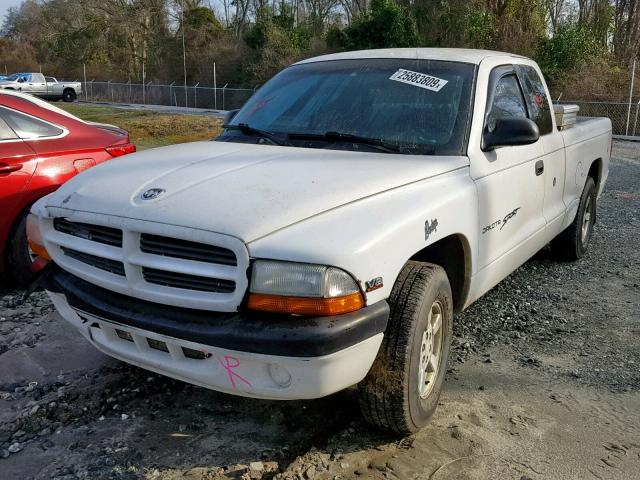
{"x": 247, "y": 191}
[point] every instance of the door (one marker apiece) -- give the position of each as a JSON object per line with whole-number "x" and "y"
{"x": 17, "y": 164}
{"x": 509, "y": 181}
{"x": 37, "y": 84}
{"x": 537, "y": 98}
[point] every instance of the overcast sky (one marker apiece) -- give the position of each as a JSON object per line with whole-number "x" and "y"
{"x": 4, "y": 6}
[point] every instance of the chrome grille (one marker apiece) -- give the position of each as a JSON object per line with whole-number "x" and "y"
{"x": 112, "y": 266}
{"x": 95, "y": 233}
{"x": 190, "y": 282}
{"x": 185, "y": 249}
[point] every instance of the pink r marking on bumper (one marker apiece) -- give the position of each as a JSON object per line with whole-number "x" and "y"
{"x": 230, "y": 364}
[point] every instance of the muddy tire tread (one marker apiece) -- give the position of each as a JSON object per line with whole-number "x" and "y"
{"x": 382, "y": 406}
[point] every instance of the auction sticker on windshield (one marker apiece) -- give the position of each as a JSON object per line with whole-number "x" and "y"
{"x": 421, "y": 80}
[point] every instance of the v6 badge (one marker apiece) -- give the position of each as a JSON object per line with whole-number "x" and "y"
{"x": 373, "y": 284}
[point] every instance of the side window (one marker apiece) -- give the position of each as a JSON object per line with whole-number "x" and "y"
{"x": 28, "y": 127}
{"x": 539, "y": 109}
{"x": 508, "y": 101}
{"x": 6, "y": 133}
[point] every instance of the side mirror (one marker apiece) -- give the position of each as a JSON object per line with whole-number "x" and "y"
{"x": 509, "y": 132}
{"x": 21, "y": 80}
{"x": 229, "y": 116}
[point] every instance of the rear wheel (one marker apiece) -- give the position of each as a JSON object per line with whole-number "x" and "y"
{"x": 19, "y": 255}
{"x": 69, "y": 95}
{"x": 402, "y": 389}
{"x": 573, "y": 242}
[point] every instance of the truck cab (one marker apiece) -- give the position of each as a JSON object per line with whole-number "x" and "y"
{"x": 33, "y": 83}
{"x": 327, "y": 237}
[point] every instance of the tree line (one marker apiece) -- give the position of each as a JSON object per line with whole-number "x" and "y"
{"x": 584, "y": 45}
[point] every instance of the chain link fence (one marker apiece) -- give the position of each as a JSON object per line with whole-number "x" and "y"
{"x": 173, "y": 95}
{"x": 624, "y": 116}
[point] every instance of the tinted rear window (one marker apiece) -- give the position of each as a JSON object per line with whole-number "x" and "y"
{"x": 28, "y": 127}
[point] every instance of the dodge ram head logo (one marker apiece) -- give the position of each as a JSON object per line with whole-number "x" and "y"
{"x": 152, "y": 193}
{"x": 429, "y": 228}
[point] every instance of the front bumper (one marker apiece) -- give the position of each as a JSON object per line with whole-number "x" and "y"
{"x": 261, "y": 356}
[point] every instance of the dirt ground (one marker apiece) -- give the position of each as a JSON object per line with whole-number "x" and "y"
{"x": 543, "y": 384}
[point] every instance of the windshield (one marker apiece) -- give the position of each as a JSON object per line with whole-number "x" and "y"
{"x": 419, "y": 106}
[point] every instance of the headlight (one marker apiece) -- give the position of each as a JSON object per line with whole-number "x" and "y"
{"x": 303, "y": 289}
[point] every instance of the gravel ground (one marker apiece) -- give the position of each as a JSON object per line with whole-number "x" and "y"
{"x": 543, "y": 383}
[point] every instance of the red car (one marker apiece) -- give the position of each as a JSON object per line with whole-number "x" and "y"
{"x": 41, "y": 147}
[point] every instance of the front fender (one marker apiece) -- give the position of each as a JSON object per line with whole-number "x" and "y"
{"x": 374, "y": 237}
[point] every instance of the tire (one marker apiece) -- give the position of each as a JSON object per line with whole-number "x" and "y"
{"x": 393, "y": 395}
{"x": 69, "y": 95}
{"x": 18, "y": 256}
{"x": 572, "y": 243}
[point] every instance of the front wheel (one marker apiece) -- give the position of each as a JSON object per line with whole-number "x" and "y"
{"x": 573, "y": 242}
{"x": 402, "y": 389}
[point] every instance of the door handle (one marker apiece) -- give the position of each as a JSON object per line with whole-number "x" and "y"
{"x": 9, "y": 168}
{"x": 539, "y": 167}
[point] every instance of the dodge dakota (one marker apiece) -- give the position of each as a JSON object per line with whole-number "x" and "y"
{"x": 327, "y": 237}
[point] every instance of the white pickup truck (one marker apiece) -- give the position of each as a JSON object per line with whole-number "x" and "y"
{"x": 327, "y": 237}
{"x": 45, "y": 87}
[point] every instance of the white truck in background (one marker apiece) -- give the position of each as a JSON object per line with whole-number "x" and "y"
{"x": 327, "y": 237}
{"x": 45, "y": 87}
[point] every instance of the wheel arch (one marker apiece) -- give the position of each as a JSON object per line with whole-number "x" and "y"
{"x": 71, "y": 90}
{"x": 453, "y": 254}
{"x": 595, "y": 172}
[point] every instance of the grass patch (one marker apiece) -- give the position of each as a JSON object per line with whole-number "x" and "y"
{"x": 150, "y": 129}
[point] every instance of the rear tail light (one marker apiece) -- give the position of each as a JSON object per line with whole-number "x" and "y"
{"x": 120, "y": 150}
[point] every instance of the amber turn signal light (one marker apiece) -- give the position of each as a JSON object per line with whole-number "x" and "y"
{"x": 39, "y": 250}
{"x": 306, "y": 305}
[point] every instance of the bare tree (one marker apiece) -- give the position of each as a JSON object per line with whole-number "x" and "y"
{"x": 626, "y": 33}
{"x": 353, "y": 8}
{"x": 318, "y": 11}
{"x": 555, "y": 10}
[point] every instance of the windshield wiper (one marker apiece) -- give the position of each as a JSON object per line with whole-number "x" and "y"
{"x": 349, "y": 138}
{"x": 248, "y": 130}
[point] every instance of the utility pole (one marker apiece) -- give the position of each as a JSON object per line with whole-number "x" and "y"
{"x": 633, "y": 77}
{"x": 184, "y": 56}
